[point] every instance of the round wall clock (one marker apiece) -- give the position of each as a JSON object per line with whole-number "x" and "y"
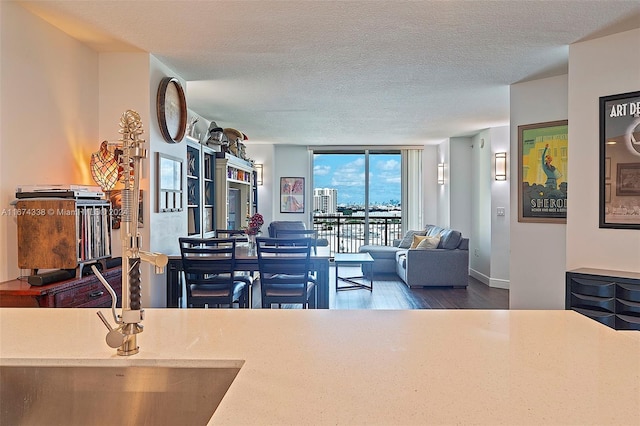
{"x": 172, "y": 110}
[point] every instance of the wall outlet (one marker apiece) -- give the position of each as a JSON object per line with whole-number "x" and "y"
{"x": 500, "y": 211}
{"x": 476, "y": 253}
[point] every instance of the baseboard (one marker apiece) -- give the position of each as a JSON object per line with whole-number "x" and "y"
{"x": 491, "y": 282}
{"x": 497, "y": 283}
{"x": 479, "y": 276}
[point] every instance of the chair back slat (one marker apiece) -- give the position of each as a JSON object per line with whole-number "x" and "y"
{"x": 284, "y": 265}
{"x": 209, "y": 265}
{"x": 208, "y": 255}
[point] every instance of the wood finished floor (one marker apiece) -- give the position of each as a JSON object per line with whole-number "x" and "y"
{"x": 389, "y": 292}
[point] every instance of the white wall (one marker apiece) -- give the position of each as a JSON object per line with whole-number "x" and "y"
{"x": 477, "y": 197}
{"x": 480, "y": 196}
{"x": 442, "y": 199}
{"x": 453, "y": 197}
{"x": 460, "y": 177}
{"x": 49, "y": 109}
{"x": 292, "y": 161}
{"x": 431, "y": 189}
{"x": 601, "y": 67}
{"x": 165, "y": 228}
{"x": 500, "y": 235}
{"x": 264, "y": 154}
{"x": 537, "y": 259}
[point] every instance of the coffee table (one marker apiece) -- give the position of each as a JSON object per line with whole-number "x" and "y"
{"x": 353, "y": 259}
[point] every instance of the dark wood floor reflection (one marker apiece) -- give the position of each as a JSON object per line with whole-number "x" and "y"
{"x": 389, "y": 292}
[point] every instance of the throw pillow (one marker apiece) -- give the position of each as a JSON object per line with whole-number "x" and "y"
{"x": 428, "y": 243}
{"x": 406, "y": 241}
{"x": 450, "y": 239}
{"x": 416, "y": 240}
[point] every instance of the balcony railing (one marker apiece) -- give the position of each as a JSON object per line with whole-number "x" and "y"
{"x": 347, "y": 233}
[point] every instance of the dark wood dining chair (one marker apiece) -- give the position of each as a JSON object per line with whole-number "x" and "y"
{"x": 284, "y": 271}
{"x": 209, "y": 269}
{"x": 301, "y": 234}
{"x": 240, "y": 237}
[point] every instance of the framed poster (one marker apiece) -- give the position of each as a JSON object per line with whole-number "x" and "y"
{"x": 291, "y": 195}
{"x": 542, "y": 172}
{"x": 620, "y": 161}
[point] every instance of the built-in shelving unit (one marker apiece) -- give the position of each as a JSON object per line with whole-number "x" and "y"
{"x": 254, "y": 186}
{"x": 235, "y": 186}
{"x": 201, "y": 190}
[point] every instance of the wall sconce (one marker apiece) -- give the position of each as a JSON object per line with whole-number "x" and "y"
{"x": 259, "y": 174}
{"x": 441, "y": 174}
{"x": 501, "y": 165}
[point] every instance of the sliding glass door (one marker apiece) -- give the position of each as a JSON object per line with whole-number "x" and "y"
{"x": 357, "y": 197}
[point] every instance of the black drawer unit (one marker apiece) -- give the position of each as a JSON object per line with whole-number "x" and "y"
{"x": 601, "y": 304}
{"x": 606, "y": 318}
{"x": 609, "y": 297}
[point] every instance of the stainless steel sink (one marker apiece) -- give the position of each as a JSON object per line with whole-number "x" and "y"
{"x": 131, "y": 395}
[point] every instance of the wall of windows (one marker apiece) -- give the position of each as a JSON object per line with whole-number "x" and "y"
{"x": 357, "y": 197}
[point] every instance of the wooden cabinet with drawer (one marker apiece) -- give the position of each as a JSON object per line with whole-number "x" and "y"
{"x": 84, "y": 292}
{"x": 610, "y": 297}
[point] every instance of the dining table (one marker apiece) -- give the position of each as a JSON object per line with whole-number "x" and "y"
{"x": 247, "y": 261}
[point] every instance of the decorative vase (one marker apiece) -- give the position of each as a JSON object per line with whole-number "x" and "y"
{"x": 252, "y": 244}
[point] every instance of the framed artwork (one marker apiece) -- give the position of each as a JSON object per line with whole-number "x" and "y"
{"x": 115, "y": 196}
{"x": 628, "y": 179}
{"x": 542, "y": 172}
{"x": 169, "y": 186}
{"x": 291, "y": 195}
{"x": 620, "y": 161}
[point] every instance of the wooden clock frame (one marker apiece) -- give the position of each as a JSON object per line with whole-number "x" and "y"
{"x": 171, "y": 104}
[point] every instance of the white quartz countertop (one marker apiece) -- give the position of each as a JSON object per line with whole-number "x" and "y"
{"x": 344, "y": 367}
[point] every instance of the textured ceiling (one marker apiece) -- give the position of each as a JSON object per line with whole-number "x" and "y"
{"x": 348, "y": 72}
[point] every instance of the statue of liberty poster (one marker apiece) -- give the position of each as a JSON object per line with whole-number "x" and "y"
{"x": 542, "y": 170}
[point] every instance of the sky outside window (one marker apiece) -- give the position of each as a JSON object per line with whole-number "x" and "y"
{"x": 346, "y": 173}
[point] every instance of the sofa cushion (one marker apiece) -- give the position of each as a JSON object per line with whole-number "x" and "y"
{"x": 433, "y": 230}
{"x": 428, "y": 243}
{"x": 379, "y": 252}
{"x": 277, "y": 225}
{"x": 416, "y": 240}
{"x": 401, "y": 258}
{"x": 464, "y": 244}
{"x": 407, "y": 240}
{"x": 449, "y": 239}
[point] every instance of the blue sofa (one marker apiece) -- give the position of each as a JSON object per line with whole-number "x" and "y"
{"x": 445, "y": 265}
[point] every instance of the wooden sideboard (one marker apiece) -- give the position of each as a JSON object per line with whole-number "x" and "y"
{"x": 84, "y": 292}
